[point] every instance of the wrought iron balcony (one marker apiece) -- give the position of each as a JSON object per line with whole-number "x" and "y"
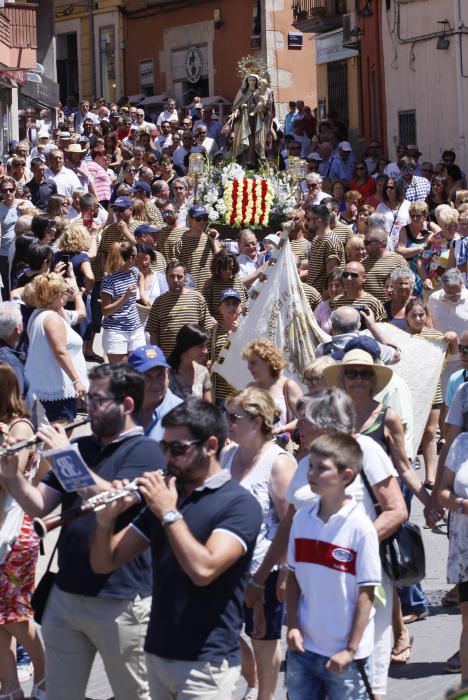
{"x": 18, "y": 35}
{"x": 318, "y": 15}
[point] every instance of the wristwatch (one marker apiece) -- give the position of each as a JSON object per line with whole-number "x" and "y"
{"x": 172, "y": 516}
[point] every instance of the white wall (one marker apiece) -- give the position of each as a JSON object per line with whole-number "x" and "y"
{"x": 421, "y": 77}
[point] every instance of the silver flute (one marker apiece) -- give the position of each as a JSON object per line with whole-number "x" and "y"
{"x": 34, "y": 440}
{"x": 44, "y": 525}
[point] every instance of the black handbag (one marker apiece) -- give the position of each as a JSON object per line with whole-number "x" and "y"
{"x": 402, "y": 554}
{"x": 41, "y": 595}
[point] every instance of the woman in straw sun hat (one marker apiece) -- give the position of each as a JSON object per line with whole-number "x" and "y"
{"x": 362, "y": 376}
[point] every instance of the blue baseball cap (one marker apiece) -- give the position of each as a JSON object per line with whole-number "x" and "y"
{"x": 123, "y": 202}
{"x": 145, "y": 228}
{"x": 230, "y": 293}
{"x": 364, "y": 342}
{"x": 197, "y": 210}
{"x": 141, "y": 186}
{"x": 148, "y": 356}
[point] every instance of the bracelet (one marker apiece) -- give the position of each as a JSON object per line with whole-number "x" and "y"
{"x": 253, "y": 583}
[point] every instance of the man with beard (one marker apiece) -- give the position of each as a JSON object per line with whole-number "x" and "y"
{"x": 201, "y": 527}
{"x": 87, "y": 612}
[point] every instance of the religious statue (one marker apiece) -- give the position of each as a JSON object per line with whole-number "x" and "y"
{"x": 251, "y": 119}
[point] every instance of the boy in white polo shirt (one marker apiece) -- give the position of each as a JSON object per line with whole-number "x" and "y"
{"x": 334, "y": 566}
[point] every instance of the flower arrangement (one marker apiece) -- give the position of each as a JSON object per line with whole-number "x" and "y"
{"x": 239, "y": 197}
{"x": 248, "y": 202}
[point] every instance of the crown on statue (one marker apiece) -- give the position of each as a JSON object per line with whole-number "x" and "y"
{"x": 252, "y": 65}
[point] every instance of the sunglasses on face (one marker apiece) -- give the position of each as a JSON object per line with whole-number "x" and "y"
{"x": 362, "y": 373}
{"x": 8, "y": 189}
{"x": 371, "y": 240}
{"x": 233, "y": 417}
{"x": 131, "y": 170}
{"x": 200, "y": 218}
{"x": 463, "y": 349}
{"x": 168, "y": 213}
{"x": 389, "y": 187}
{"x": 121, "y": 209}
{"x": 177, "y": 448}
{"x": 347, "y": 273}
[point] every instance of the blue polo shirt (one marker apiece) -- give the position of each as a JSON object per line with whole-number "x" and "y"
{"x": 125, "y": 458}
{"x": 201, "y": 623}
{"x": 155, "y": 430}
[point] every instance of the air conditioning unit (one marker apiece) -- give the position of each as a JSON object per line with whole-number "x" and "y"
{"x": 351, "y": 31}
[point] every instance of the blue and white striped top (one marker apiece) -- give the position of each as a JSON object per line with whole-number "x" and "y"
{"x": 126, "y": 318}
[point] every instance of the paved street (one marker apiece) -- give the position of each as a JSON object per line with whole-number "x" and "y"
{"x": 435, "y": 638}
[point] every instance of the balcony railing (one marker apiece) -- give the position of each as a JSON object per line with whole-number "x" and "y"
{"x": 18, "y": 35}
{"x": 318, "y": 15}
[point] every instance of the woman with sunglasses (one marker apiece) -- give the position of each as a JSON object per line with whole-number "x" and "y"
{"x": 9, "y": 214}
{"x": 127, "y": 176}
{"x": 324, "y": 411}
{"x": 264, "y": 469}
{"x": 122, "y": 329}
{"x": 412, "y": 240}
{"x": 419, "y": 322}
{"x": 395, "y": 208}
{"x": 362, "y": 182}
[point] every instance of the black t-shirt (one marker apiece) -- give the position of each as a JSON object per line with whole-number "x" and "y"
{"x": 125, "y": 459}
{"x": 201, "y": 623}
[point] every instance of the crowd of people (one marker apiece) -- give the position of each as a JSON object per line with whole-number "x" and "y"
{"x": 259, "y": 507}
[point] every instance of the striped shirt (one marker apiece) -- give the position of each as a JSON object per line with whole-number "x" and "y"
{"x": 111, "y": 234}
{"x": 154, "y": 215}
{"x": 196, "y": 252}
{"x": 171, "y": 311}
{"x": 212, "y": 293}
{"x": 323, "y": 249}
{"x": 364, "y": 299}
{"x": 300, "y": 248}
{"x": 377, "y": 271}
{"x": 312, "y": 295}
{"x": 126, "y": 317}
{"x": 167, "y": 239}
{"x": 343, "y": 232}
{"x": 219, "y": 385}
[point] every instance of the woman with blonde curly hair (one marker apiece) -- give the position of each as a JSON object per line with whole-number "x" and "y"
{"x": 264, "y": 469}
{"x": 74, "y": 245}
{"x": 55, "y": 366}
{"x": 266, "y": 362}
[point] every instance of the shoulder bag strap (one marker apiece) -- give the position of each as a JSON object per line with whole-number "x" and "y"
{"x": 370, "y": 491}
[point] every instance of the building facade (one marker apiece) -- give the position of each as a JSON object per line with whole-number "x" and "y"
{"x": 90, "y": 49}
{"x": 425, "y": 45}
{"x": 192, "y": 48}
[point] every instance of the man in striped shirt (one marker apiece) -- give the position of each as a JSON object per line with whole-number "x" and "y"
{"x": 379, "y": 262}
{"x": 171, "y": 231}
{"x": 353, "y": 278}
{"x": 326, "y": 251}
{"x": 175, "y": 308}
{"x": 195, "y": 248}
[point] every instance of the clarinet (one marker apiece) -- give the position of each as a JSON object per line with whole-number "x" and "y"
{"x": 34, "y": 440}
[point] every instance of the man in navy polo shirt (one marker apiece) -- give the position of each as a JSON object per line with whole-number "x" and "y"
{"x": 88, "y": 612}
{"x": 40, "y": 187}
{"x": 202, "y": 536}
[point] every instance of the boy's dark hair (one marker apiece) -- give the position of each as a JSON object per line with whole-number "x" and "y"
{"x": 342, "y": 449}
{"x": 201, "y": 418}
{"x": 37, "y": 254}
{"x": 123, "y": 381}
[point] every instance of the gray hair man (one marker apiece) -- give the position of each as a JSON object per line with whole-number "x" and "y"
{"x": 11, "y": 327}
{"x": 346, "y": 322}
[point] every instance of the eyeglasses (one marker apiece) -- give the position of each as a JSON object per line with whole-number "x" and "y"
{"x": 463, "y": 349}
{"x": 168, "y": 213}
{"x": 348, "y": 273}
{"x": 371, "y": 240}
{"x": 312, "y": 185}
{"x": 93, "y": 399}
{"x": 177, "y": 448}
{"x": 200, "y": 218}
{"x": 121, "y": 209}
{"x": 362, "y": 373}
{"x": 8, "y": 189}
{"x": 389, "y": 187}
{"x": 234, "y": 417}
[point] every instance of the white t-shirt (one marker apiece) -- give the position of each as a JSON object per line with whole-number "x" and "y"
{"x": 457, "y": 462}
{"x": 394, "y": 221}
{"x": 376, "y": 464}
{"x": 331, "y": 561}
